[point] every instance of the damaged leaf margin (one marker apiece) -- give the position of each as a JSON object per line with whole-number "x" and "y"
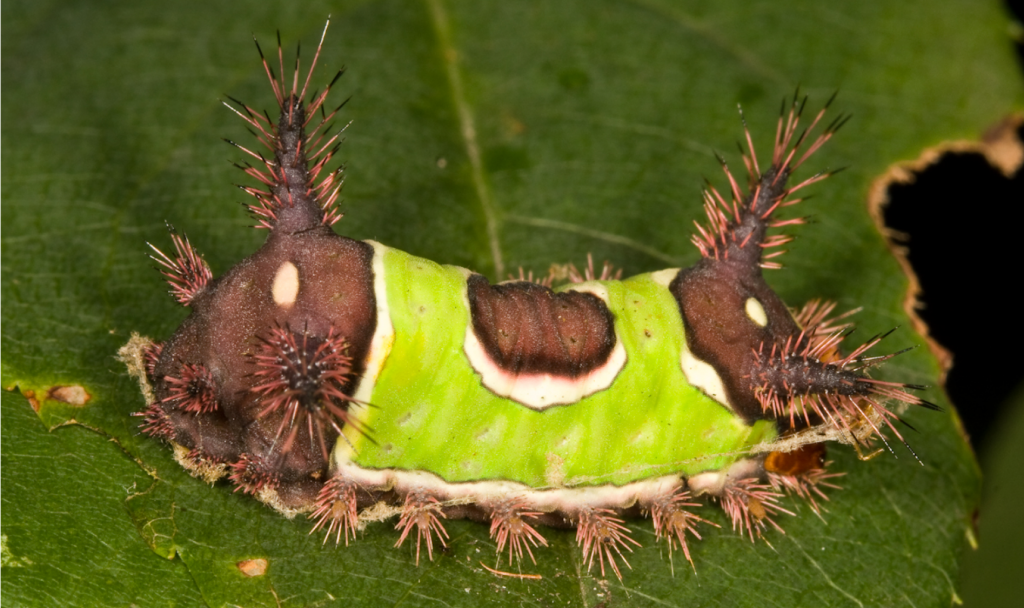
{"x": 1002, "y": 147}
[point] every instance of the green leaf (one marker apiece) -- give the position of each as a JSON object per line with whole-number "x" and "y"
{"x": 67, "y": 536}
{"x": 489, "y": 135}
{"x": 989, "y": 575}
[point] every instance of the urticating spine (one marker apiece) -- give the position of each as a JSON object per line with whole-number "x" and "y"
{"x": 293, "y": 200}
{"x": 791, "y": 369}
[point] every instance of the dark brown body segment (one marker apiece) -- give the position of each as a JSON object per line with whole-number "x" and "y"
{"x": 222, "y": 333}
{"x": 528, "y": 328}
{"x": 712, "y": 298}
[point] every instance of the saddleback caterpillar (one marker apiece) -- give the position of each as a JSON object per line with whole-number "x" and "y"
{"x": 351, "y": 381}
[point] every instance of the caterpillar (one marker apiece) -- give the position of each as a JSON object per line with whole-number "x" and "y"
{"x": 351, "y": 381}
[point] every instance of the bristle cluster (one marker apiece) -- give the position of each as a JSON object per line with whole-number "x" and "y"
{"x": 292, "y": 177}
{"x": 672, "y": 521}
{"x": 422, "y": 512}
{"x": 156, "y": 423}
{"x": 738, "y": 225}
{"x": 509, "y": 527}
{"x": 187, "y": 272}
{"x": 807, "y": 485}
{"x": 560, "y": 273}
{"x": 150, "y": 357}
{"x": 199, "y": 457}
{"x": 602, "y": 535}
{"x": 192, "y": 390}
{"x": 301, "y": 378}
{"x": 336, "y": 510}
{"x": 528, "y": 277}
{"x": 814, "y": 317}
{"x": 608, "y": 272}
{"x": 807, "y": 380}
{"x": 252, "y": 474}
{"x": 751, "y": 506}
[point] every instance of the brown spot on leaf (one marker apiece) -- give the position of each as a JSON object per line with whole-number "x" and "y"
{"x": 253, "y": 567}
{"x": 31, "y": 396}
{"x": 72, "y": 395}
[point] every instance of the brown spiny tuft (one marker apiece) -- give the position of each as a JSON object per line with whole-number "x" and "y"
{"x": 738, "y": 227}
{"x": 293, "y": 196}
{"x": 805, "y": 380}
{"x": 672, "y": 521}
{"x": 301, "y": 379}
{"x": 150, "y": 357}
{"x": 187, "y": 272}
{"x": 608, "y": 272}
{"x": 156, "y": 423}
{"x": 336, "y": 510}
{"x": 192, "y": 390}
{"x": 252, "y": 474}
{"x": 751, "y": 506}
{"x": 422, "y": 512}
{"x": 509, "y": 526}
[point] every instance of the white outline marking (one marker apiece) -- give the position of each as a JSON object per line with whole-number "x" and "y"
{"x": 714, "y": 482}
{"x": 664, "y": 277}
{"x": 567, "y": 501}
{"x": 380, "y": 347}
{"x": 541, "y": 391}
{"x": 704, "y": 376}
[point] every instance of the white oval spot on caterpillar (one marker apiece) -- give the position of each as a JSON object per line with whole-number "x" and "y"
{"x": 286, "y": 285}
{"x": 703, "y": 376}
{"x": 756, "y": 312}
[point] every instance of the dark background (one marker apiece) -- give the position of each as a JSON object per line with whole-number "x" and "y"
{"x": 965, "y": 226}
{"x": 963, "y": 222}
